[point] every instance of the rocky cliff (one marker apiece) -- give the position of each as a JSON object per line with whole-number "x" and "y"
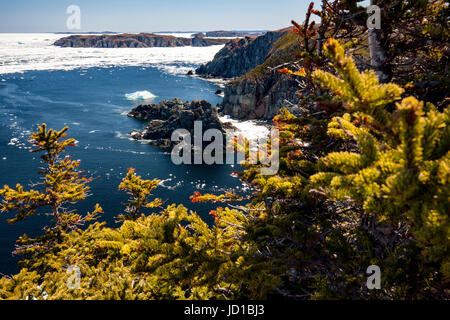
{"x": 230, "y": 34}
{"x": 259, "y": 98}
{"x": 167, "y": 116}
{"x": 260, "y": 90}
{"x": 241, "y": 55}
{"x": 142, "y": 40}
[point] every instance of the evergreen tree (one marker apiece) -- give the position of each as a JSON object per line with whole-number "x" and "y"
{"x": 168, "y": 255}
{"x": 139, "y": 190}
{"x": 363, "y": 180}
{"x": 62, "y": 185}
{"x": 400, "y": 172}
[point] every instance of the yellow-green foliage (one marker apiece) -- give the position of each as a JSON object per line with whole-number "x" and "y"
{"x": 153, "y": 257}
{"x": 400, "y": 172}
{"x": 364, "y": 183}
{"x": 171, "y": 254}
{"x": 360, "y": 92}
{"x": 139, "y": 190}
{"x": 369, "y": 185}
{"x": 62, "y": 184}
{"x": 168, "y": 255}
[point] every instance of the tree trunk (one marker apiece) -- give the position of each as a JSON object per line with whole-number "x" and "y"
{"x": 378, "y": 56}
{"x": 321, "y": 32}
{"x": 378, "y": 46}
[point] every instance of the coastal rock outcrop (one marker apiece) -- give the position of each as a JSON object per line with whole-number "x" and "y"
{"x": 169, "y": 115}
{"x": 229, "y": 34}
{"x": 259, "y": 98}
{"x": 241, "y": 55}
{"x": 142, "y": 40}
{"x": 259, "y": 91}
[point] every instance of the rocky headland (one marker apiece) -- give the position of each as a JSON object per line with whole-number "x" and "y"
{"x": 167, "y": 116}
{"x": 141, "y": 40}
{"x": 256, "y": 90}
{"x": 241, "y": 55}
{"x": 229, "y": 34}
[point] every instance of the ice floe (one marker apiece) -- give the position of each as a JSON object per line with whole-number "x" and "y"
{"x": 37, "y": 52}
{"x": 140, "y": 95}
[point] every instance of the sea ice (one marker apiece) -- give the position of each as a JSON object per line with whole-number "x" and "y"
{"x": 38, "y": 53}
{"x": 13, "y": 142}
{"x": 140, "y": 95}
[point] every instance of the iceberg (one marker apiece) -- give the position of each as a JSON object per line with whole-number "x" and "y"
{"x": 140, "y": 95}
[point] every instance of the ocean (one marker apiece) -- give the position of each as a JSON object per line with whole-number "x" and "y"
{"x": 91, "y": 91}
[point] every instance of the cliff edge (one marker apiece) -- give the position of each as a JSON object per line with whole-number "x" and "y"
{"x": 241, "y": 55}
{"x": 258, "y": 90}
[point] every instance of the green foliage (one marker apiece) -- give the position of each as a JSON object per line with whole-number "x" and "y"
{"x": 399, "y": 156}
{"x": 363, "y": 179}
{"x": 368, "y": 185}
{"x": 168, "y": 255}
{"x": 139, "y": 190}
{"x": 62, "y": 185}
{"x": 360, "y": 92}
{"x": 415, "y": 40}
{"x": 152, "y": 257}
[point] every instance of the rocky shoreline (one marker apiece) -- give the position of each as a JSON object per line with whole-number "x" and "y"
{"x": 167, "y": 116}
{"x": 255, "y": 89}
{"x": 260, "y": 98}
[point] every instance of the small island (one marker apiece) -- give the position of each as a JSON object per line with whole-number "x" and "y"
{"x": 141, "y": 40}
{"x": 169, "y": 115}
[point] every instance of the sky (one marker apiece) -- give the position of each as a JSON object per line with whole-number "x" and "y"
{"x": 18, "y": 16}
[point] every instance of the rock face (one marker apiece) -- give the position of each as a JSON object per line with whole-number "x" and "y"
{"x": 167, "y": 116}
{"x": 241, "y": 55}
{"x": 259, "y": 91}
{"x": 142, "y": 40}
{"x": 229, "y": 34}
{"x": 259, "y": 98}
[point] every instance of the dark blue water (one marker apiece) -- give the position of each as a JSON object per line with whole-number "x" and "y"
{"x": 91, "y": 102}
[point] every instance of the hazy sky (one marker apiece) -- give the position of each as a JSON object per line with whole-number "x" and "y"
{"x": 150, "y": 15}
